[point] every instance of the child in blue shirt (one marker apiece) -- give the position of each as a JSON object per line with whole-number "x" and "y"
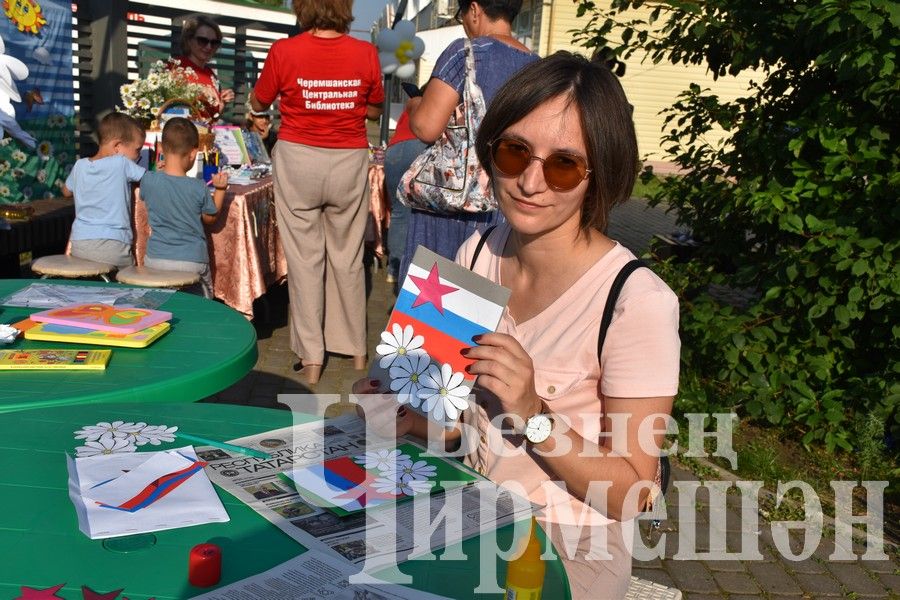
{"x": 101, "y": 185}
{"x": 178, "y": 205}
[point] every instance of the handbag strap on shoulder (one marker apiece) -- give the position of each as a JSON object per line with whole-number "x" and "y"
{"x": 614, "y": 291}
{"x": 470, "y": 60}
{"x": 480, "y": 245}
{"x": 470, "y": 88}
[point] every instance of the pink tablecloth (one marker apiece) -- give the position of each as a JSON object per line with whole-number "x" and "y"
{"x": 244, "y": 247}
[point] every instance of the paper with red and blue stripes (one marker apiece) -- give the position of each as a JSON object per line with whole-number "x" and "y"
{"x": 138, "y": 492}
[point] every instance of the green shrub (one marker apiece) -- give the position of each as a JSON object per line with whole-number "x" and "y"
{"x": 800, "y": 204}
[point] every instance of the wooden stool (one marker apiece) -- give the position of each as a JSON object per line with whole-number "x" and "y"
{"x": 70, "y": 267}
{"x": 147, "y": 277}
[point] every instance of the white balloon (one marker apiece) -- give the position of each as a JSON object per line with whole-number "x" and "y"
{"x": 405, "y": 29}
{"x": 387, "y": 40}
{"x": 406, "y": 71}
{"x": 389, "y": 62}
{"x": 418, "y": 48}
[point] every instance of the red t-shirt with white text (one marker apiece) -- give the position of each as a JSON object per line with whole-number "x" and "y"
{"x": 325, "y": 85}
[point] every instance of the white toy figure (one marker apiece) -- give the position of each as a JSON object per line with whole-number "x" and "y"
{"x": 11, "y": 69}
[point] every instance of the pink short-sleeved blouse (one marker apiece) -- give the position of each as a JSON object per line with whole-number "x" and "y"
{"x": 640, "y": 360}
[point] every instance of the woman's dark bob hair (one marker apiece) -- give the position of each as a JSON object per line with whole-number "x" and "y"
{"x": 609, "y": 137}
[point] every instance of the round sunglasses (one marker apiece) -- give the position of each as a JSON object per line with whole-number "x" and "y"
{"x": 205, "y": 41}
{"x": 563, "y": 171}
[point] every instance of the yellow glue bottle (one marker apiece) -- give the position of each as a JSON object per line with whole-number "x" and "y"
{"x": 525, "y": 574}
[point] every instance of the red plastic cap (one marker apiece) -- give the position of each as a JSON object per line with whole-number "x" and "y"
{"x": 205, "y": 565}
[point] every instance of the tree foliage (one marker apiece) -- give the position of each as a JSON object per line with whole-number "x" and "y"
{"x": 799, "y": 204}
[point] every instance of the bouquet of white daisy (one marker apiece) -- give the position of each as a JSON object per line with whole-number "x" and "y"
{"x": 143, "y": 98}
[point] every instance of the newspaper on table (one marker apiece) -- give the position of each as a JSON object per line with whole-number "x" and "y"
{"x": 139, "y": 492}
{"x": 52, "y": 295}
{"x": 374, "y": 538}
{"x": 311, "y": 576}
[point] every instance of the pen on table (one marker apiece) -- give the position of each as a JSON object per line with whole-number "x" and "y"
{"x": 223, "y": 445}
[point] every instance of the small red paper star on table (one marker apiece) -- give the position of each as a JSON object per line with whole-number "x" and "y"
{"x": 29, "y": 593}
{"x": 431, "y": 289}
{"x": 90, "y": 594}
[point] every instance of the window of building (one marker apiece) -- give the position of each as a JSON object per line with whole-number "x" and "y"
{"x": 523, "y": 25}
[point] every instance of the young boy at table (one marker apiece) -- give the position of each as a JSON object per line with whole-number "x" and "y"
{"x": 178, "y": 206}
{"x": 101, "y": 185}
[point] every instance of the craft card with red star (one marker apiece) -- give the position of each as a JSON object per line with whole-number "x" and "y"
{"x": 440, "y": 308}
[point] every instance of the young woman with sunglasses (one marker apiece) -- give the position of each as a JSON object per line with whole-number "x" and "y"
{"x": 201, "y": 38}
{"x": 560, "y": 148}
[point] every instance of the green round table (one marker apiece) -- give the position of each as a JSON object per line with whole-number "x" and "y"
{"x": 209, "y": 347}
{"x": 42, "y": 546}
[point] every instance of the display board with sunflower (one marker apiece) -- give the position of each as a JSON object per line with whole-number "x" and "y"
{"x": 37, "y": 99}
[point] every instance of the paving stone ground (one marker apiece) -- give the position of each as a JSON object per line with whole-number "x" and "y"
{"x": 771, "y": 576}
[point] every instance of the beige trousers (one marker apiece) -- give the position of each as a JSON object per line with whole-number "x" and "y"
{"x": 321, "y": 202}
{"x": 591, "y": 578}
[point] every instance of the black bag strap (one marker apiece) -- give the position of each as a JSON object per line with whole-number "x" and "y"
{"x": 614, "y": 291}
{"x": 480, "y": 245}
{"x": 612, "y": 298}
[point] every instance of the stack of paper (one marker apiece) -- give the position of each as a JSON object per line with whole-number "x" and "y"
{"x": 128, "y": 493}
{"x": 96, "y": 323}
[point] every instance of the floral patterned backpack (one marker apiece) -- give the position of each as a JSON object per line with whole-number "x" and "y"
{"x": 447, "y": 177}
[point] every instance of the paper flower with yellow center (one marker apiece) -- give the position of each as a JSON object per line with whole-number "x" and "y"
{"x": 443, "y": 393}
{"x": 398, "y": 344}
{"x": 406, "y": 378}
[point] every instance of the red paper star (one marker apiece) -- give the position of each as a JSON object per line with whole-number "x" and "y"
{"x": 90, "y": 594}
{"x": 34, "y": 594}
{"x": 431, "y": 289}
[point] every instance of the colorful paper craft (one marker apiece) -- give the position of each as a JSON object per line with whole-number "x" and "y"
{"x": 352, "y": 483}
{"x": 50, "y": 332}
{"x": 440, "y": 308}
{"x": 54, "y": 359}
{"x": 103, "y": 317}
{"x": 124, "y": 494}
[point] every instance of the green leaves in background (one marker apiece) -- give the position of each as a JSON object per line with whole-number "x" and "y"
{"x": 799, "y": 209}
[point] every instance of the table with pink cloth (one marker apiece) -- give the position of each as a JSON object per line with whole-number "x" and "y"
{"x": 244, "y": 247}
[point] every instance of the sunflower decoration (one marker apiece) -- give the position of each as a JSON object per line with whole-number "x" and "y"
{"x": 25, "y": 14}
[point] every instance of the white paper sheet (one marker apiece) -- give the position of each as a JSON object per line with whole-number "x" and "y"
{"x": 125, "y": 494}
{"x": 51, "y": 295}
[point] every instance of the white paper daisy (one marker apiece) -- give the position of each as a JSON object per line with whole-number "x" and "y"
{"x": 443, "y": 393}
{"x": 105, "y": 445}
{"x": 116, "y": 429}
{"x": 406, "y": 378}
{"x": 411, "y": 471}
{"x": 157, "y": 434}
{"x": 386, "y": 485}
{"x": 382, "y": 460}
{"x": 151, "y": 434}
{"x": 398, "y": 344}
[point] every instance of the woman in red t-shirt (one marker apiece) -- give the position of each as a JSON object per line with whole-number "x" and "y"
{"x": 201, "y": 38}
{"x": 329, "y": 84}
